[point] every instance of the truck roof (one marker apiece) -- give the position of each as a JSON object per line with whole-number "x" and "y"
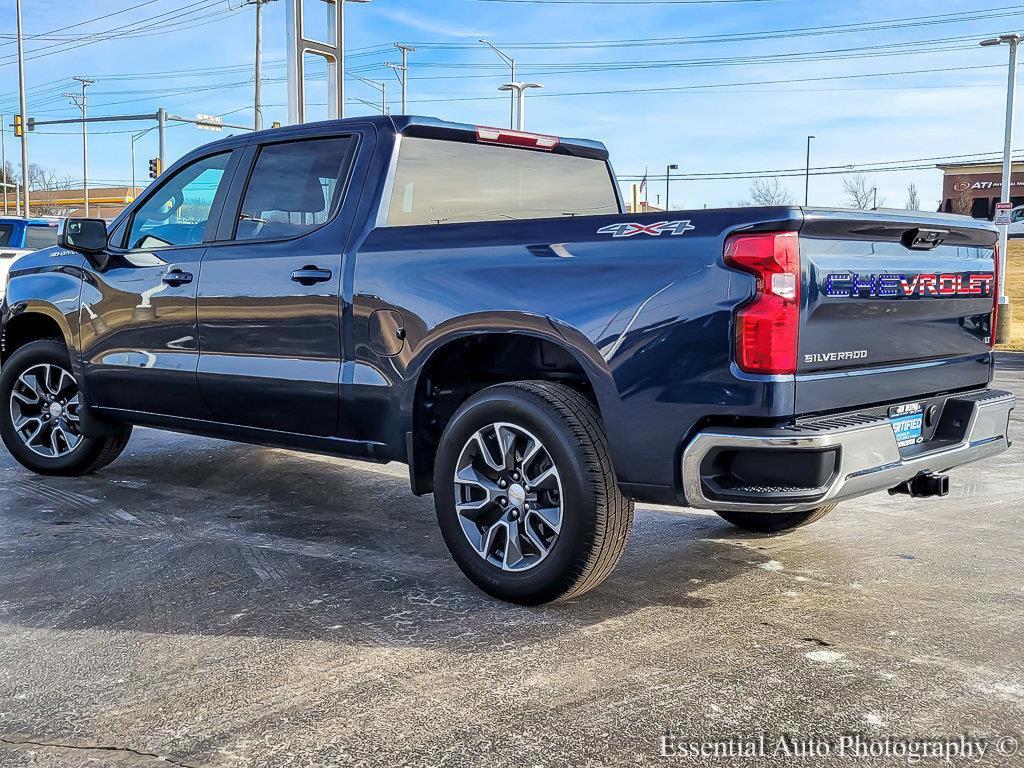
{"x": 425, "y": 127}
{"x": 31, "y": 222}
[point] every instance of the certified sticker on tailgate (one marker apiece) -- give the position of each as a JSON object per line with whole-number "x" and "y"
{"x": 907, "y": 423}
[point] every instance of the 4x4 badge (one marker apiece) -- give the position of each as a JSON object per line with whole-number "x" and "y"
{"x": 656, "y": 230}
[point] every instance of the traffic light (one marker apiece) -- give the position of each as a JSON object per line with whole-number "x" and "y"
{"x": 19, "y": 126}
{"x": 155, "y": 168}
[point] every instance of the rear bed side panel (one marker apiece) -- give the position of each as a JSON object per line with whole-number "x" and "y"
{"x": 654, "y": 311}
{"x": 882, "y": 322}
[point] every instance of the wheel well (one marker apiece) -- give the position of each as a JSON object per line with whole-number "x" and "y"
{"x": 25, "y": 328}
{"x": 465, "y": 366}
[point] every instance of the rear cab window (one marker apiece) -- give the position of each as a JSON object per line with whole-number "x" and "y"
{"x": 447, "y": 182}
{"x": 6, "y": 230}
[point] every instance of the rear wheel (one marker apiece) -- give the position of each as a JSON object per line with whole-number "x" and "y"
{"x": 40, "y": 414}
{"x": 526, "y": 495}
{"x": 769, "y": 522}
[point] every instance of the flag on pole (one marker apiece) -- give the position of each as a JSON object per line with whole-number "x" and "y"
{"x": 643, "y": 192}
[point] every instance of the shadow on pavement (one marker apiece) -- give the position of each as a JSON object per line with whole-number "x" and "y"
{"x": 200, "y": 537}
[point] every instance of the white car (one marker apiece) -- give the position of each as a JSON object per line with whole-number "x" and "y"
{"x": 1017, "y": 221}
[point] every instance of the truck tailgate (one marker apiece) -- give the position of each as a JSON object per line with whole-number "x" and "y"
{"x": 895, "y": 307}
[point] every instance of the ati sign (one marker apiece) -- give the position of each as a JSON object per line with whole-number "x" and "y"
{"x": 963, "y": 186}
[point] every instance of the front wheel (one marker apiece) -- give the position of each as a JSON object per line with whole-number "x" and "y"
{"x": 40, "y": 419}
{"x": 769, "y": 522}
{"x": 526, "y": 496}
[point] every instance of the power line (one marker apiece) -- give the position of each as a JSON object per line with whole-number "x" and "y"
{"x": 81, "y": 23}
{"x": 180, "y": 13}
{"x": 884, "y": 166}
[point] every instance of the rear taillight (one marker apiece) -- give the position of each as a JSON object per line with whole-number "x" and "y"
{"x": 995, "y": 300}
{"x": 767, "y": 328}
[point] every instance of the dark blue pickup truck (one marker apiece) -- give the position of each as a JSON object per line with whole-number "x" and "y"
{"x": 474, "y": 302}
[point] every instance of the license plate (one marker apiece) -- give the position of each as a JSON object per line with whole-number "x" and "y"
{"x": 907, "y": 424}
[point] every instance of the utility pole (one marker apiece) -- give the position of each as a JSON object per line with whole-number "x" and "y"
{"x": 874, "y": 206}
{"x": 512, "y": 64}
{"x": 402, "y": 73}
{"x": 668, "y": 178}
{"x": 3, "y": 155}
{"x": 258, "y": 75}
{"x": 81, "y": 103}
{"x": 1004, "y": 325}
{"x": 519, "y": 92}
{"x": 807, "y": 182}
{"x": 24, "y": 113}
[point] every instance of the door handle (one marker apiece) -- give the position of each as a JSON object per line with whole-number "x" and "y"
{"x": 176, "y": 277}
{"x": 311, "y": 275}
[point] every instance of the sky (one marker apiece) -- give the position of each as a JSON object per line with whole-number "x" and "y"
{"x": 718, "y": 87}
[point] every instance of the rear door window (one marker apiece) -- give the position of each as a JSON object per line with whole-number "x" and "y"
{"x": 440, "y": 182}
{"x": 294, "y": 188}
{"x": 6, "y": 230}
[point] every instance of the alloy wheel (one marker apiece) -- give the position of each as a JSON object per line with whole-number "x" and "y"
{"x": 508, "y": 496}
{"x": 44, "y": 410}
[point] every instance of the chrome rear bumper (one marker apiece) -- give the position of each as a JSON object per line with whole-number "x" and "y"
{"x": 869, "y": 459}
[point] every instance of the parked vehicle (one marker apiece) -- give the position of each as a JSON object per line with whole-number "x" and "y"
{"x": 20, "y": 236}
{"x": 475, "y": 303}
{"x": 1016, "y": 228}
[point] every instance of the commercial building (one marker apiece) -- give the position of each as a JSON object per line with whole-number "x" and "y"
{"x": 974, "y": 189}
{"x": 104, "y": 202}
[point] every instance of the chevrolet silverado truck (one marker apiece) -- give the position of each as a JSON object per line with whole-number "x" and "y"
{"x": 477, "y": 303}
{"x": 20, "y": 236}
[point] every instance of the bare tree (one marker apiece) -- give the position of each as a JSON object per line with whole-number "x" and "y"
{"x": 770, "y": 192}
{"x": 45, "y": 180}
{"x": 860, "y": 193}
{"x": 767, "y": 192}
{"x": 913, "y": 198}
{"x": 963, "y": 201}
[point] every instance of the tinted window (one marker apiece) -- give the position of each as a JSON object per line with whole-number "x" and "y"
{"x": 179, "y": 210}
{"x": 439, "y": 182}
{"x": 294, "y": 187}
{"x": 40, "y": 237}
{"x": 5, "y": 234}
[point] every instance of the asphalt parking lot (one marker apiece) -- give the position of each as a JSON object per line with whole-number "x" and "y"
{"x": 203, "y": 603}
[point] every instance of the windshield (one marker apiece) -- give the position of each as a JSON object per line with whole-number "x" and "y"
{"x": 438, "y": 182}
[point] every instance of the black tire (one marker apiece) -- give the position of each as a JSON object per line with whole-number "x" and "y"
{"x": 771, "y": 523}
{"x": 595, "y": 517}
{"x": 90, "y": 455}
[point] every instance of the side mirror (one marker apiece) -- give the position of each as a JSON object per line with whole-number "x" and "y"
{"x": 85, "y": 236}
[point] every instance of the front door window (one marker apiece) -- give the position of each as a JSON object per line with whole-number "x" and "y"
{"x": 178, "y": 212}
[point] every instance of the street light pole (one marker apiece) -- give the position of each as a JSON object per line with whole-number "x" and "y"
{"x": 512, "y": 65}
{"x": 381, "y": 86}
{"x": 807, "y": 181}
{"x": 519, "y": 92}
{"x": 668, "y": 178}
{"x": 1004, "y": 325}
{"x": 21, "y": 102}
